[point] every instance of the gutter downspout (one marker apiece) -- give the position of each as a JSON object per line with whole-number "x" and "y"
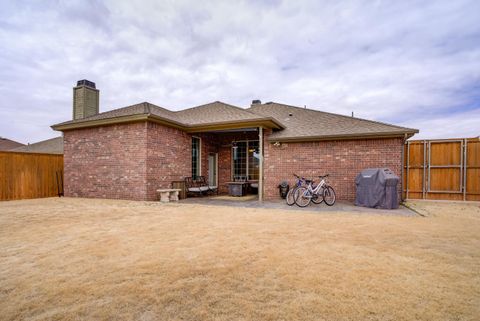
{"x": 260, "y": 177}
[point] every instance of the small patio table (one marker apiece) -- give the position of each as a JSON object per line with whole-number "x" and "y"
{"x": 237, "y": 188}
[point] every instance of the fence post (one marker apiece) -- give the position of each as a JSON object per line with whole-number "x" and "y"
{"x": 465, "y": 147}
{"x": 408, "y": 163}
{"x": 424, "y": 169}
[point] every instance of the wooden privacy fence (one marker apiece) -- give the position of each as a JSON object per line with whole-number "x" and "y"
{"x": 30, "y": 175}
{"x": 447, "y": 169}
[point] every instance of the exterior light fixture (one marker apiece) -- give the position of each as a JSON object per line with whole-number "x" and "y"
{"x": 234, "y": 148}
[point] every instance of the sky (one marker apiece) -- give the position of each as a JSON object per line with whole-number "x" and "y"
{"x": 410, "y": 63}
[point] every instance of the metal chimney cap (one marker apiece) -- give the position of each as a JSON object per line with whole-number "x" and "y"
{"x": 85, "y": 82}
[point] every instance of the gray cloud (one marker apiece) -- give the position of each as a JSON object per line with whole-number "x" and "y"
{"x": 413, "y": 63}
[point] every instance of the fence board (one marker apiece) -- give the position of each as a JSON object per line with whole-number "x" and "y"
{"x": 445, "y": 153}
{"x": 445, "y": 179}
{"x": 29, "y": 175}
{"x": 473, "y": 170}
{"x": 449, "y": 171}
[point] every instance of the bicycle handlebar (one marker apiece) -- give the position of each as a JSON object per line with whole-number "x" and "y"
{"x": 298, "y": 177}
{"x": 320, "y": 176}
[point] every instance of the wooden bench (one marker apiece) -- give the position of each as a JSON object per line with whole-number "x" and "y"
{"x": 168, "y": 194}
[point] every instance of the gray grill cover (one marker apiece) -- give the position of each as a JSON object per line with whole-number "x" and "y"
{"x": 377, "y": 188}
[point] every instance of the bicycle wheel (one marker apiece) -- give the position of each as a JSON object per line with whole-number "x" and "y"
{"x": 291, "y": 196}
{"x": 302, "y": 197}
{"x": 329, "y": 195}
{"x": 317, "y": 198}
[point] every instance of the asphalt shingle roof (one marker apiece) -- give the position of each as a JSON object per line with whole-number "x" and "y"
{"x": 302, "y": 122}
{"x": 7, "y": 144}
{"x": 216, "y": 112}
{"x": 49, "y": 146}
{"x": 137, "y": 109}
{"x": 298, "y": 122}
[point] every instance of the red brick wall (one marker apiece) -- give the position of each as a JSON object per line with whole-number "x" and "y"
{"x": 106, "y": 162}
{"x": 169, "y": 157}
{"x": 224, "y": 168}
{"x": 342, "y": 159}
{"x": 129, "y": 161}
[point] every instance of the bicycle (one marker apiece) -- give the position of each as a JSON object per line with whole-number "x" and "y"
{"x": 317, "y": 194}
{"x": 291, "y": 193}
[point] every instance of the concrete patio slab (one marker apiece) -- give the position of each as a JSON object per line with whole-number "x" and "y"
{"x": 340, "y": 206}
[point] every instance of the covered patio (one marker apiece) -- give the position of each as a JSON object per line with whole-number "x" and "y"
{"x": 230, "y": 160}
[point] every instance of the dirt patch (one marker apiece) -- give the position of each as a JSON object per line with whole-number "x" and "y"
{"x": 69, "y": 259}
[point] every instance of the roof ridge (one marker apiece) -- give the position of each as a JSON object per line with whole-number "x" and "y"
{"x": 46, "y": 140}
{"x": 150, "y": 106}
{"x": 344, "y": 116}
{"x": 194, "y": 107}
{"x": 217, "y": 102}
{"x": 237, "y": 107}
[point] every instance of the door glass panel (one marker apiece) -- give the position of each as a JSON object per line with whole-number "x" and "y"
{"x": 212, "y": 170}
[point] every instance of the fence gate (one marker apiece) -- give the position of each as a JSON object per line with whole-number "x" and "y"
{"x": 442, "y": 169}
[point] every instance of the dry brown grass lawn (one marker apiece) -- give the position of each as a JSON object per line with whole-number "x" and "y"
{"x": 77, "y": 259}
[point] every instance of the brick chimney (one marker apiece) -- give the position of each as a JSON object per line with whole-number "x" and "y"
{"x": 85, "y": 99}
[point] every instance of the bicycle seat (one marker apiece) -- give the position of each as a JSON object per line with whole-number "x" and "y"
{"x": 323, "y": 176}
{"x": 309, "y": 181}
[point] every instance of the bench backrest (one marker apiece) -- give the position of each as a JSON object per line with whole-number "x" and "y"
{"x": 197, "y": 182}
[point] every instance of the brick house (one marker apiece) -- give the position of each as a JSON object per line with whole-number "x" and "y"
{"x": 130, "y": 152}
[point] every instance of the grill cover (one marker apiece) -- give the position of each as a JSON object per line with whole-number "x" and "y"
{"x": 377, "y": 188}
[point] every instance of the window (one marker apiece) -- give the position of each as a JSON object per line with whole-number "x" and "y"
{"x": 246, "y": 160}
{"x": 239, "y": 150}
{"x": 195, "y": 157}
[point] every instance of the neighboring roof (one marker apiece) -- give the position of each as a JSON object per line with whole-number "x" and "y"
{"x": 7, "y": 144}
{"x": 49, "y": 146}
{"x": 308, "y": 124}
{"x": 216, "y": 115}
{"x": 303, "y": 124}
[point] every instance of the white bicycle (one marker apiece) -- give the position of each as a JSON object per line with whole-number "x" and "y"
{"x": 316, "y": 194}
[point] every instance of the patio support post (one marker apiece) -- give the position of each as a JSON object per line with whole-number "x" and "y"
{"x": 260, "y": 169}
